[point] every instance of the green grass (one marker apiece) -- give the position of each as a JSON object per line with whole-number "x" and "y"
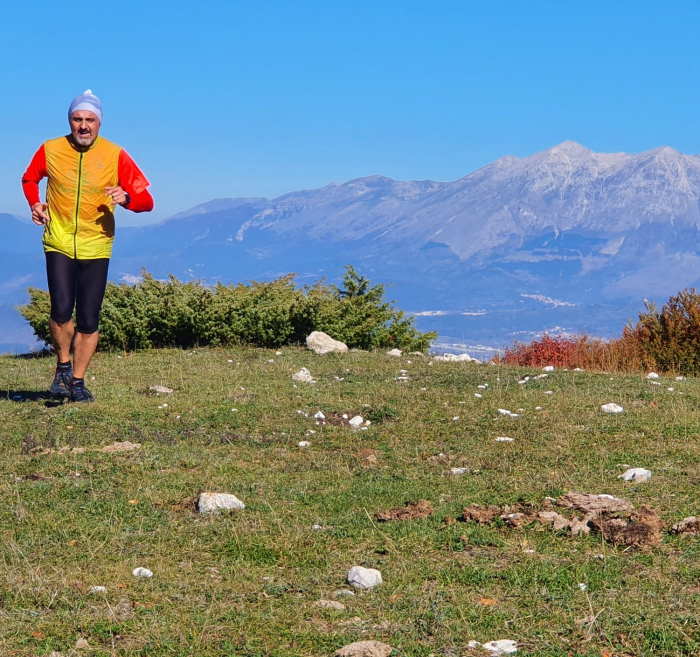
{"x": 245, "y": 584}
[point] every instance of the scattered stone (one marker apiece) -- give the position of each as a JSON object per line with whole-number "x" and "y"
{"x": 652, "y": 375}
{"x": 97, "y": 589}
{"x": 142, "y": 572}
{"x": 556, "y": 521}
{"x": 364, "y": 578}
{"x": 611, "y": 408}
{"x": 459, "y": 471}
{"x": 216, "y": 502}
{"x": 319, "y": 416}
{"x": 330, "y": 604}
{"x": 680, "y": 378}
{"x": 410, "y": 511}
{"x": 577, "y": 369}
{"x": 504, "y": 439}
{"x": 482, "y": 386}
{"x": 81, "y": 644}
{"x": 636, "y": 474}
{"x": 356, "y": 422}
{"x": 322, "y": 343}
{"x": 505, "y": 411}
{"x": 589, "y": 503}
{"x": 394, "y": 352}
{"x": 516, "y": 519}
{"x": 343, "y": 593}
{"x": 477, "y": 395}
{"x": 496, "y": 648}
{"x": 123, "y": 446}
{"x": 161, "y": 390}
{"x": 456, "y": 358}
{"x": 549, "y": 392}
{"x": 364, "y": 649}
{"x": 689, "y": 525}
{"x": 303, "y": 376}
{"x": 548, "y": 368}
{"x": 303, "y": 443}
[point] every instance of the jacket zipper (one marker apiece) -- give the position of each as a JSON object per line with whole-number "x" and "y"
{"x": 77, "y": 207}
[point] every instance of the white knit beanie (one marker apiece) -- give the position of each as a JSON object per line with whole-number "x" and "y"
{"x": 86, "y": 101}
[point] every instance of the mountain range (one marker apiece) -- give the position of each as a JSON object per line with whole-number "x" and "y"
{"x": 565, "y": 241}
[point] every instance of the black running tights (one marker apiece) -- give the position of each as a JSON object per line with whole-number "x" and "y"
{"x": 78, "y": 284}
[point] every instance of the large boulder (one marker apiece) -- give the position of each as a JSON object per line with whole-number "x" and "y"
{"x": 322, "y": 343}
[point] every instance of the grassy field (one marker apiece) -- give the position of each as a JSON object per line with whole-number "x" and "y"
{"x": 247, "y": 583}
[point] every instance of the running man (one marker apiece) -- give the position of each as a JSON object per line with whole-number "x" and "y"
{"x": 88, "y": 177}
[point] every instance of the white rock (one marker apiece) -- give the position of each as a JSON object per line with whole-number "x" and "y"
{"x": 654, "y": 383}
{"x": 549, "y": 392}
{"x": 548, "y": 368}
{"x": 680, "y": 378}
{"x": 303, "y": 443}
{"x": 456, "y": 358}
{"x": 636, "y": 474}
{"x": 459, "y": 471}
{"x": 343, "y": 593}
{"x": 577, "y": 369}
{"x": 304, "y": 376}
{"x": 538, "y": 408}
{"x": 319, "y": 415}
{"x": 97, "y": 589}
{"x": 215, "y": 502}
{"x": 278, "y": 353}
{"x": 394, "y": 352}
{"x": 652, "y": 375}
{"x": 322, "y": 343}
{"x": 582, "y": 586}
{"x": 477, "y": 395}
{"x": 483, "y": 386}
{"x": 501, "y": 647}
{"x": 669, "y": 389}
{"x": 142, "y": 572}
{"x": 316, "y": 527}
{"x": 364, "y": 578}
{"x": 163, "y": 390}
{"x": 356, "y": 422}
{"x": 504, "y": 439}
{"x": 611, "y": 408}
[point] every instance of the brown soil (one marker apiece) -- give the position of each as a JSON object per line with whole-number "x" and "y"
{"x": 690, "y": 525}
{"x": 410, "y": 511}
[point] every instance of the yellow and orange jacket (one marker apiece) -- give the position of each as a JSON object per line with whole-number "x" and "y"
{"x": 81, "y": 212}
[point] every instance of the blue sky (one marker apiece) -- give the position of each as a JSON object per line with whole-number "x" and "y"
{"x": 261, "y": 98}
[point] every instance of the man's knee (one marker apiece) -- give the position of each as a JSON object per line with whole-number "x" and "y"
{"x": 87, "y": 328}
{"x": 61, "y": 315}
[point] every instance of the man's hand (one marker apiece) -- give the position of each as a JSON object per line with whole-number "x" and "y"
{"x": 117, "y": 194}
{"x": 40, "y": 214}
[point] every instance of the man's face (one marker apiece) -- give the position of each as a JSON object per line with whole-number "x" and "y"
{"x": 84, "y": 126}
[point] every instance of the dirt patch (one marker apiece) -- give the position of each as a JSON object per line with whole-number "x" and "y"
{"x": 689, "y": 525}
{"x": 409, "y": 511}
{"x": 613, "y": 518}
{"x": 368, "y": 457}
{"x": 481, "y": 514}
{"x": 642, "y": 529}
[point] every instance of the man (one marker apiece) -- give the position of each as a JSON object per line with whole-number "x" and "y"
{"x": 88, "y": 177}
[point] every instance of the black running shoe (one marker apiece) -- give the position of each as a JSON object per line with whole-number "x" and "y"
{"x": 61, "y": 381}
{"x": 79, "y": 393}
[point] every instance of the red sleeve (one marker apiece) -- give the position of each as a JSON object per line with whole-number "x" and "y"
{"x": 34, "y": 173}
{"x": 134, "y": 183}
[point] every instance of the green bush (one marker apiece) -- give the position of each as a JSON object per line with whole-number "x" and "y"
{"x": 671, "y": 337}
{"x": 172, "y": 313}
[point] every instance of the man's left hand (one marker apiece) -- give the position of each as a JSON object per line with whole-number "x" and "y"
{"x": 117, "y": 194}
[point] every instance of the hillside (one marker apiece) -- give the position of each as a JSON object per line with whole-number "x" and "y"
{"x": 249, "y": 582}
{"x": 565, "y": 240}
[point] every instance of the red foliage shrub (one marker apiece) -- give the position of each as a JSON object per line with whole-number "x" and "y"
{"x": 625, "y": 354}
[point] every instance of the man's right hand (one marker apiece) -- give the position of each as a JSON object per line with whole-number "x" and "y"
{"x": 40, "y": 214}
